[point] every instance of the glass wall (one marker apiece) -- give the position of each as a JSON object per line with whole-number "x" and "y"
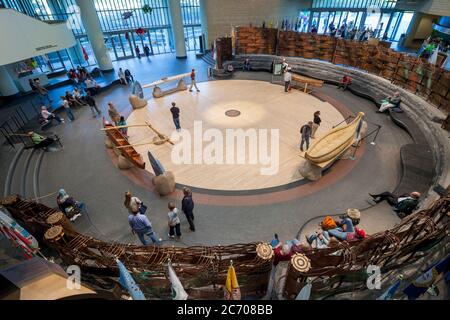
{"x": 190, "y": 12}
{"x": 379, "y": 17}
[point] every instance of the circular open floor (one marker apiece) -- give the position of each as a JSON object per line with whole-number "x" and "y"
{"x": 260, "y": 109}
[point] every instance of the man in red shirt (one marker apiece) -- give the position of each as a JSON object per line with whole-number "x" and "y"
{"x": 346, "y": 81}
{"x": 193, "y": 81}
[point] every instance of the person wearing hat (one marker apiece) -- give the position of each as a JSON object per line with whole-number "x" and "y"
{"x": 404, "y": 205}
{"x": 346, "y": 225}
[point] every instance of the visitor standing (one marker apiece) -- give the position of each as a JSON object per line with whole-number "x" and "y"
{"x": 138, "y": 51}
{"x": 92, "y": 104}
{"x": 187, "y": 206}
{"x": 113, "y": 113}
{"x": 305, "y": 132}
{"x": 43, "y": 93}
{"x": 147, "y": 51}
{"x": 193, "y": 83}
{"x": 67, "y": 108}
{"x": 122, "y": 123}
{"x": 142, "y": 226}
{"x": 176, "y": 116}
{"x": 316, "y": 124}
{"x": 287, "y": 80}
{"x": 174, "y": 221}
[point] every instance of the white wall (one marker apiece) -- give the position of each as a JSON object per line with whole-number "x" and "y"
{"x": 23, "y": 37}
{"x": 223, "y": 14}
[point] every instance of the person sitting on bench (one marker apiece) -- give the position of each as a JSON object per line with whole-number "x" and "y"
{"x": 403, "y": 205}
{"x": 40, "y": 141}
{"x": 128, "y": 76}
{"x": 246, "y": 66}
{"x": 92, "y": 86}
{"x": 48, "y": 116}
{"x": 390, "y": 103}
{"x": 345, "y": 83}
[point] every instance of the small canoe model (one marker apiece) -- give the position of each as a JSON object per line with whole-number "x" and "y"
{"x": 126, "y": 149}
{"x": 335, "y": 142}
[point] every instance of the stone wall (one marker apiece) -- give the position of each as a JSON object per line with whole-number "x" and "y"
{"x": 428, "y": 81}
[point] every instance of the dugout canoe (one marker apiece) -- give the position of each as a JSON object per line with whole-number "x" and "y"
{"x": 119, "y": 140}
{"x": 335, "y": 142}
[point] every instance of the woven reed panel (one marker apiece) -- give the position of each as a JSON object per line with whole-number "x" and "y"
{"x": 253, "y": 40}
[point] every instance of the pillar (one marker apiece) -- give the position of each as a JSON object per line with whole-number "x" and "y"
{"x": 412, "y": 29}
{"x": 177, "y": 28}
{"x": 204, "y": 22}
{"x": 94, "y": 32}
{"x": 7, "y": 85}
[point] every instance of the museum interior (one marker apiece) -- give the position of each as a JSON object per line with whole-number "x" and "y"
{"x": 224, "y": 149}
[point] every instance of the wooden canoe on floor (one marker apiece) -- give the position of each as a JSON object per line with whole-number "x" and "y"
{"x": 334, "y": 143}
{"x": 119, "y": 140}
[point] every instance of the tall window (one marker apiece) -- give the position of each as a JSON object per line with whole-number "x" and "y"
{"x": 190, "y": 11}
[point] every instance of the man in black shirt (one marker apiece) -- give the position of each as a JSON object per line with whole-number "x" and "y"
{"x": 305, "y": 131}
{"x": 176, "y": 116}
{"x": 91, "y": 103}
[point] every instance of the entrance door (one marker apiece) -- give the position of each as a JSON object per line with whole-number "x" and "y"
{"x": 120, "y": 46}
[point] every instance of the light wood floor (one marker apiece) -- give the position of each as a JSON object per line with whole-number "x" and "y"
{"x": 262, "y": 106}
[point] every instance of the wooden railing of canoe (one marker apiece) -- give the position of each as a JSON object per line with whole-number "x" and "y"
{"x": 126, "y": 149}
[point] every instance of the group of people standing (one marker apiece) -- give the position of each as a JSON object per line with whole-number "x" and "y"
{"x": 141, "y": 226}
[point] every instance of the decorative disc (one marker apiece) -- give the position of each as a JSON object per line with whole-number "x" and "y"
{"x": 300, "y": 262}
{"x": 54, "y": 233}
{"x": 55, "y": 217}
{"x": 264, "y": 251}
{"x": 232, "y": 113}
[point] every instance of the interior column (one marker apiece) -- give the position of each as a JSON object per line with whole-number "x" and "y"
{"x": 94, "y": 32}
{"x": 177, "y": 28}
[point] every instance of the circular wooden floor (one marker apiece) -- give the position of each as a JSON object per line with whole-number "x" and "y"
{"x": 261, "y": 105}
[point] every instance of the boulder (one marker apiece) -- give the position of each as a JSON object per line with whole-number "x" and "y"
{"x": 136, "y": 102}
{"x": 164, "y": 183}
{"x": 309, "y": 170}
{"x": 108, "y": 143}
{"x": 123, "y": 163}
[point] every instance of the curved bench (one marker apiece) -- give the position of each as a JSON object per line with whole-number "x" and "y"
{"x": 417, "y": 159}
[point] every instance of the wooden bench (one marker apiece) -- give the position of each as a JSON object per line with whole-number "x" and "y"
{"x": 305, "y": 81}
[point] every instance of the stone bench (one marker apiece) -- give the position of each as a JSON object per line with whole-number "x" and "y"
{"x": 418, "y": 171}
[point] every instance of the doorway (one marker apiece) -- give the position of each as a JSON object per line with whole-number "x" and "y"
{"x": 120, "y": 46}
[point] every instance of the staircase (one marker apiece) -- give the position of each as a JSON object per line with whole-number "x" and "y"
{"x": 208, "y": 58}
{"x": 23, "y": 173}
